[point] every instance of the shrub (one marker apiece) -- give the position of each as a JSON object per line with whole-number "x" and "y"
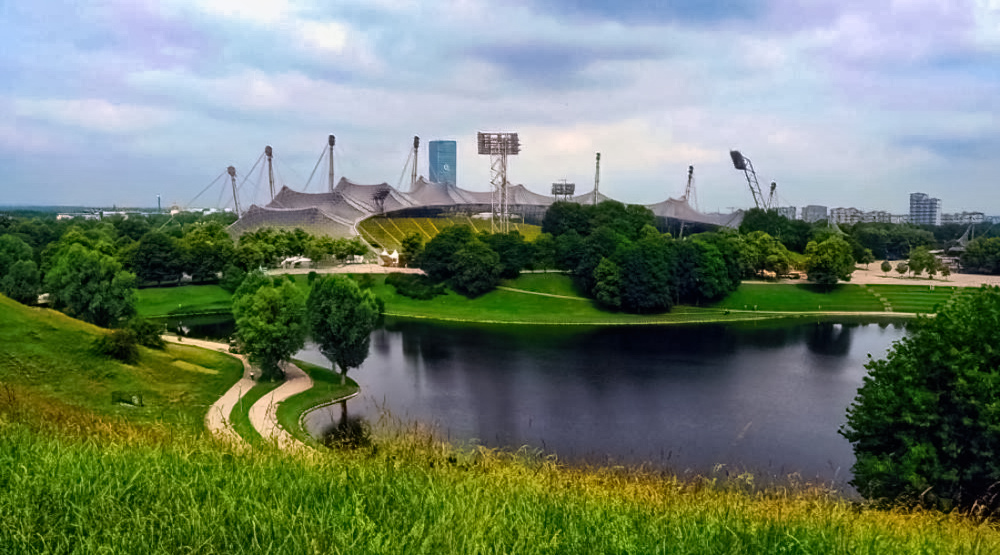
{"x": 925, "y": 426}
{"x": 120, "y": 344}
{"x": 415, "y": 286}
{"x": 147, "y": 333}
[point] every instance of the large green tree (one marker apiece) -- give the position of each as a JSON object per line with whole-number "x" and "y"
{"x": 205, "y": 250}
{"x": 436, "y": 258}
{"x": 12, "y": 250}
{"x": 829, "y": 261}
{"x": 91, "y": 286}
{"x": 271, "y": 325}
{"x": 157, "y": 258}
{"x": 475, "y": 269}
{"x": 925, "y": 425}
{"x": 22, "y": 282}
{"x": 341, "y": 319}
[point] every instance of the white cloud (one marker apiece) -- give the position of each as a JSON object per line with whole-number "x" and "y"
{"x": 93, "y": 114}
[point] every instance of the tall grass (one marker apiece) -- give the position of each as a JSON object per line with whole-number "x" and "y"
{"x": 410, "y": 494}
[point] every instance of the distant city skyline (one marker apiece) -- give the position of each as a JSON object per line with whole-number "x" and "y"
{"x": 841, "y": 103}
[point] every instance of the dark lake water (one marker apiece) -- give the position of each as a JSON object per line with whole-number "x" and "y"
{"x": 766, "y": 398}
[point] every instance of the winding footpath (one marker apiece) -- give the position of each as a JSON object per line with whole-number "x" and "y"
{"x": 264, "y": 413}
{"x": 217, "y": 418}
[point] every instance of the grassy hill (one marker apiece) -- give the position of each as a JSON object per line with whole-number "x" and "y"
{"x": 81, "y": 475}
{"x": 50, "y": 354}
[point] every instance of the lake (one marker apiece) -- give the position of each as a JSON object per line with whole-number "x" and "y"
{"x": 766, "y": 398}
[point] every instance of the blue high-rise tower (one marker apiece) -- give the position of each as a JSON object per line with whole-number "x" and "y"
{"x": 442, "y": 156}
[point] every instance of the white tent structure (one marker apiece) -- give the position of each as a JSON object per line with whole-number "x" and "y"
{"x": 337, "y": 213}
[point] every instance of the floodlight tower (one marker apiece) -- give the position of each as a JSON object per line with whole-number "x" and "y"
{"x": 597, "y": 176}
{"x": 563, "y": 191}
{"x": 499, "y": 146}
{"x": 416, "y": 152}
{"x": 270, "y": 169}
{"x": 332, "y": 141}
{"x": 741, "y": 162}
{"x": 232, "y": 176}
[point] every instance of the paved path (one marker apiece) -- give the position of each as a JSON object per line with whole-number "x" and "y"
{"x": 264, "y": 413}
{"x": 525, "y": 291}
{"x": 217, "y": 419}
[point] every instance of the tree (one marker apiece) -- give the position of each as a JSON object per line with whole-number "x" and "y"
{"x": 412, "y": 246}
{"x": 271, "y": 325}
{"x": 829, "y": 261}
{"x": 157, "y": 258}
{"x": 341, "y": 318}
{"x": 645, "y": 276}
{"x": 436, "y": 258}
{"x": 607, "y": 284}
{"x": 475, "y": 269}
{"x": 13, "y": 250}
{"x": 866, "y": 257}
{"x": 925, "y": 425}
{"x": 886, "y": 267}
{"x": 921, "y": 259}
{"x": 91, "y": 286}
{"x": 205, "y": 250}
{"x": 22, "y": 282}
{"x": 902, "y": 268}
{"x": 766, "y": 253}
{"x": 515, "y": 254}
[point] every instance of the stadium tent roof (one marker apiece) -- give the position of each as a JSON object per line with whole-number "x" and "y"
{"x": 680, "y": 210}
{"x": 337, "y": 213}
{"x": 312, "y": 220}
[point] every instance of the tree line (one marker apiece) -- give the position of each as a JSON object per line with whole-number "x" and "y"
{"x": 90, "y": 268}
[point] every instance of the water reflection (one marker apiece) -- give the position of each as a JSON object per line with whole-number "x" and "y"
{"x": 769, "y": 398}
{"x": 347, "y": 432}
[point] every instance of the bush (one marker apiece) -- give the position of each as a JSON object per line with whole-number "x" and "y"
{"x": 147, "y": 333}
{"x": 925, "y": 426}
{"x": 415, "y": 286}
{"x": 120, "y": 344}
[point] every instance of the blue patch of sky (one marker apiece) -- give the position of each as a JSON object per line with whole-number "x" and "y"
{"x": 963, "y": 148}
{"x": 552, "y": 65}
{"x": 656, "y": 11}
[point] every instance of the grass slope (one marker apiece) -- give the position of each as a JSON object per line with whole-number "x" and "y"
{"x": 80, "y": 476}
{"x": 51, "y": 354}
{"x": 185, "y": 299}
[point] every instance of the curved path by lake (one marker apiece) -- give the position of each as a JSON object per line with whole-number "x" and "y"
{"x": 264, "y": 413}
{"x": 217, "y": 418}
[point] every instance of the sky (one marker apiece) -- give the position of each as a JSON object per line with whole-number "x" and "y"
{"x": 841, "y": 102}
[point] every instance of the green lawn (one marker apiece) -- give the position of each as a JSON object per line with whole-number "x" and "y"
{"x": 916, "y": 298}
{"x": 801, "y": 297}
{"x": 51, "y": 354}
{"x": 502, "y": 306}
{"x": 185, "y": 299}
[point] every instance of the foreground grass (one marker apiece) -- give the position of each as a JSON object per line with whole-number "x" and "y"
{"x": 183, "y": 300}
{"x": 411, "y": 495}
{"x": 52, "y": 354}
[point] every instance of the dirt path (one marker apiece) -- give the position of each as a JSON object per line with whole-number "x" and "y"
{"x": 264, "y": 413}
{"x": 217, "y": 418}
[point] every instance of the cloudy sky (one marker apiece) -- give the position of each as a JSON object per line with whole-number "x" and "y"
{"x": 841, "y": 102}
